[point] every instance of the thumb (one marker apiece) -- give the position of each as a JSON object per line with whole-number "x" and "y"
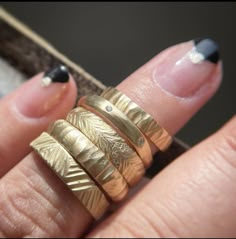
{"x": 192, "y": 197}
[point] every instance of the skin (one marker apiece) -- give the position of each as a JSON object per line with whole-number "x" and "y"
{"x": 192, "y": 197}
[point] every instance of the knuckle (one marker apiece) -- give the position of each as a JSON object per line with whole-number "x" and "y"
{"x": 25, "y": 210}
{"x": 143, "y": 221}
{"x": 16, "y": 207}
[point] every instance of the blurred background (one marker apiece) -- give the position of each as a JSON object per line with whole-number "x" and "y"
{"x": 111, "y": 40}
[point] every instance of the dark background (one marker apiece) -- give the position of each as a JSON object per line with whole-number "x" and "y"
{"x": 111, "y": 40}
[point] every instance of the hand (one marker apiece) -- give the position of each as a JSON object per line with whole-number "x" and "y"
{"x": 192, "y": 197}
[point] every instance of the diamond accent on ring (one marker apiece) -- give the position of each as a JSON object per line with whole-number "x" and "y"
{"x": 141, "y": 141}
{"x": 108, "y": 108}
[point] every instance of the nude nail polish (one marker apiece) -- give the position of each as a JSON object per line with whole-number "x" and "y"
{"x": 195, "y": 60}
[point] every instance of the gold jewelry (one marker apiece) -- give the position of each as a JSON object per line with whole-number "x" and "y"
{"x": 110, "y": 142}
{"x": 123, "y": 125}
{"x": 102, "y": 143}
{"x": 157, "y": 134}
{"x": 92, "y": 159}
{"x": 76, "y": 179}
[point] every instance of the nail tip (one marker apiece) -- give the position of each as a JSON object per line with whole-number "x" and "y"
{"x": 58, "y": 74}
{"x": 209, "y": 48}
{"x": 46, "y": 81}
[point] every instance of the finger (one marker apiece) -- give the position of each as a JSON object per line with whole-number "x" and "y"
{"x": 179, "y": 74}
{"x": 193, "y": 197}
{"x": 71, "y": 216}
{"x": 28, "y": 111}
{"x": 176, "y": 83}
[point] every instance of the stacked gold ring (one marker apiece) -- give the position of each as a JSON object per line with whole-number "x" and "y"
{"x": 122, "y": 124}
{"x": 157, "y": 134}
{"x": 110, "y": 142}
{"x": 102, "y": 148}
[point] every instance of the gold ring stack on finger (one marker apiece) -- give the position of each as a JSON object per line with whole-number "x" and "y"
{"x": 102, "y": 148}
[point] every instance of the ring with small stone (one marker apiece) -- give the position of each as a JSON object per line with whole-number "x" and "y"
{"x": 102, "y": 148}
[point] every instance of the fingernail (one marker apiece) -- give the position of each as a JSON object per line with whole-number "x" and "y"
{"x": 188, "y": 67}
{"x": 43, "y": 93}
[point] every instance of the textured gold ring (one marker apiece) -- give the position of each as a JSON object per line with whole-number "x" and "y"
{"x": 123, "y": 124}
{"x": 157, "y": 134}
{"x": 110, "y": 142}
{"x": 91, "y": 158}
{"x": 76, "y": 179}
{"x": 101, "y": 148}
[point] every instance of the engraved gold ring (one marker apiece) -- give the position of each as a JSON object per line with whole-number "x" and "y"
{"x": 157, "y": 134}
{"x": 102, "y": 148}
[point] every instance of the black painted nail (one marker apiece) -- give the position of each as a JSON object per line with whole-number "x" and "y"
{"x": 58, "y": 74}
{"x": 208, "y": 48}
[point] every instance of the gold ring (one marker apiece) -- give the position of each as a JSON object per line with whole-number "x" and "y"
{"x": 110, "y": 142}
{"x": 76, "y": 179}
{"x": 157, "y": 134}
{"x": 91, "y": 158}
{"x": 101, "y": 148}
{"x": 121, "y": 122}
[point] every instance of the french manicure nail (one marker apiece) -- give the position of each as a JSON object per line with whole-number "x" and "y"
{"x": 58, "y": 74}
{"x": 188, "y": 68}
{"x": 41, "y": 94}
{"x": 208, "y": 48}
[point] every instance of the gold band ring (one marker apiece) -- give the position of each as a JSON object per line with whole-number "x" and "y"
{"x": 157, "y": 134}
{"x": 76, "y": 179}
{"x": 121, "y": 122}
{"x": 110, "y": 142}
{"x": 91, "y": 158}
{"x": 101, "y": 148}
